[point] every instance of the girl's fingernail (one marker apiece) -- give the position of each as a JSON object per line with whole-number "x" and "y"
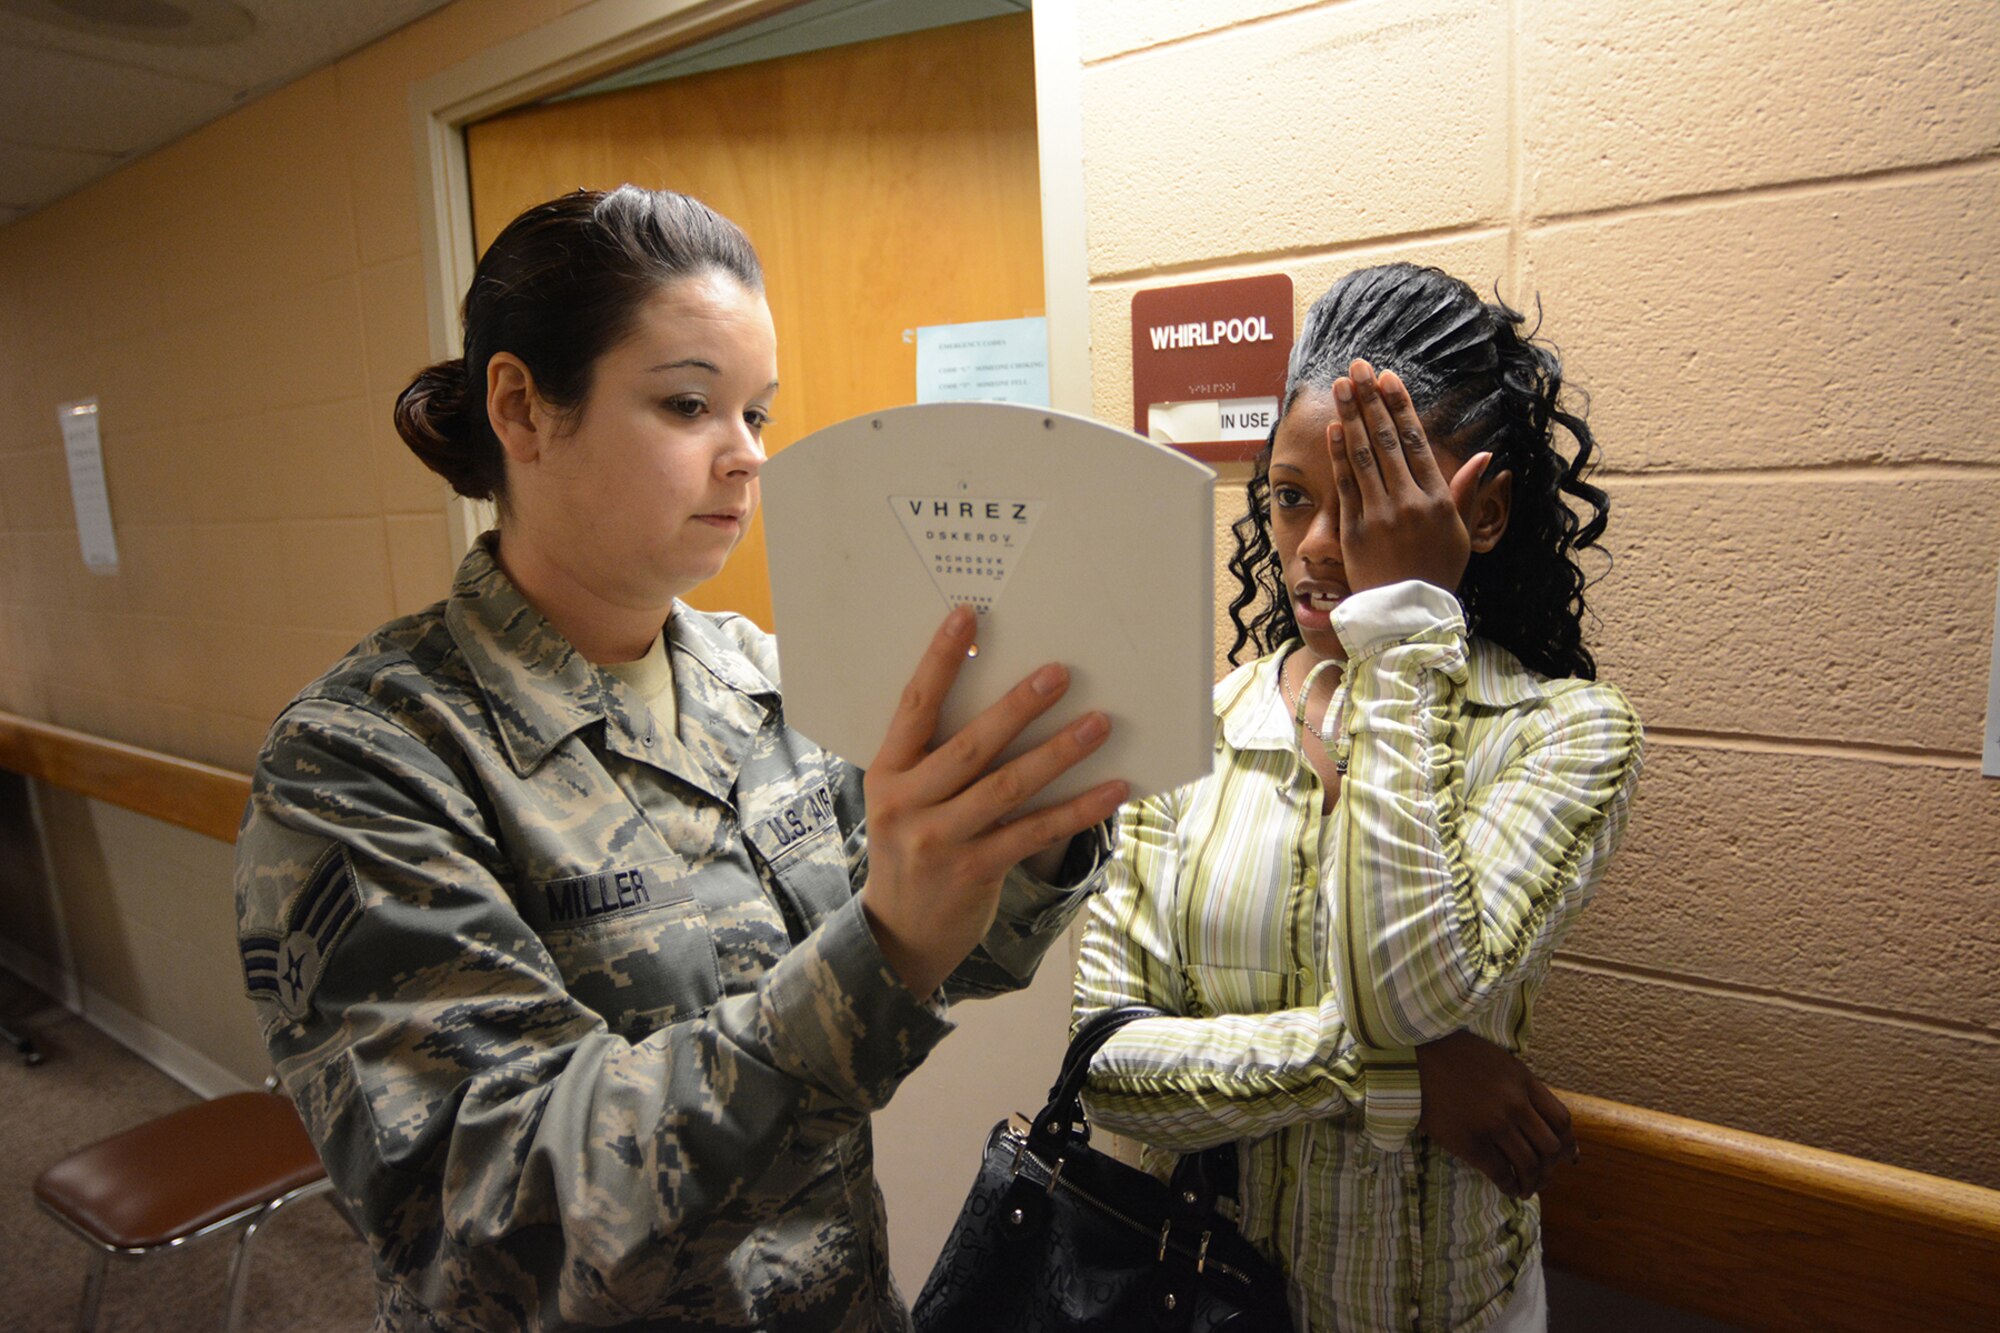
{"x": 1092, "y": 728}
{"x": 1048, "y": 680}
{"x": 959, "y": 621}
{"x": 1343, "y": 389}
{"x": 1336, "y": 433}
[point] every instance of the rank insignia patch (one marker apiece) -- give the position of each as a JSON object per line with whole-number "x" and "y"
{"x": 286, "y": 967}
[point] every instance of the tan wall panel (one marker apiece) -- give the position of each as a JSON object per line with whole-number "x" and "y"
{"x": 150, "y": 912}
{"x": 1783, "y": 331}
{"x": 1623, "y": 102}
{"x": 318, "y": 462}
{"x": 37, "y": 489}
{"x": 395, "y": 340}
{"x": 1839, "y": 878}
{"x": 1840, "y": 612}
{"x": 361, "y": 599}
{"x": 374, "y": 99}
{"x": 1911, "y": 1096}
{"x": 326, "y": 317}
{"x": 1337, "y": 124}
{"x": 1107, "y": 28}
{"x": 418, "y": 549}
{"x": 238, "y": 213}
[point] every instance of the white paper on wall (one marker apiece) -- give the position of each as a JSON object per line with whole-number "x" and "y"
{"x": 994, "y": 360}
{"x": 1077, "y": 542}
{"x": 87, "y": 490}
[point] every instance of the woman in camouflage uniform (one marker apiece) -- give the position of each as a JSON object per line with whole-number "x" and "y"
{"x": 585, "y": 969}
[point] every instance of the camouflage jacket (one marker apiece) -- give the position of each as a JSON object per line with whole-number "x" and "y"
{"x": 586, "y": 1019}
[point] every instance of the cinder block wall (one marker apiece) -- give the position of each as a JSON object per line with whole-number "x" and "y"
{"x": 1765, "y": 235}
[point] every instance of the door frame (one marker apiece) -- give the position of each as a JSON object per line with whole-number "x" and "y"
{"x": 608, "y": 35}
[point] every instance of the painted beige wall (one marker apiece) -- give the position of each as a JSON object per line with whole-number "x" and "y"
{"x": 245, "y": 303}
{"x": 1765, "y": 234}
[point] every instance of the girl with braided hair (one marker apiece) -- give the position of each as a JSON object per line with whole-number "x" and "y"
{"x": 1418, "y": 784}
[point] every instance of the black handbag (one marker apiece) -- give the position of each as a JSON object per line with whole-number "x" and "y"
{"x": 1057, "y": 1236}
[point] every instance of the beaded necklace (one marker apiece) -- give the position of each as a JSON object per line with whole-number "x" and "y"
{"x": 1332, "y": 730}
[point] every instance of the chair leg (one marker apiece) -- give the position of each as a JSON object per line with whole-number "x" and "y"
{"x": 239, "y": 1266}
{"x": 93, "y": 1290}
{"x": 239, "y": 1258}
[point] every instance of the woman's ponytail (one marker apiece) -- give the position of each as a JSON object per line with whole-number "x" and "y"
{"x": 434, "y": 417}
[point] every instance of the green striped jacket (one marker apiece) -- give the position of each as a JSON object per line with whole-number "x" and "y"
{"x": 1304, "y": 955}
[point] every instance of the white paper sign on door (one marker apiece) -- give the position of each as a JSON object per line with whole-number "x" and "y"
{"x": 994, "y": 361}
{"x": 87, "y": 490}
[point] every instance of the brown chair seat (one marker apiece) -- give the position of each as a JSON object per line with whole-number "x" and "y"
{"x": 172, "y": 1177}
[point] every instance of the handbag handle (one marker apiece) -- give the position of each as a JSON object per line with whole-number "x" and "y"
{"x": 1204, "y": 1175}
{"x": 1065, "y": 1107}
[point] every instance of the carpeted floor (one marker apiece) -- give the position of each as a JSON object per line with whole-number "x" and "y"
{"x": 308, "y": 1272}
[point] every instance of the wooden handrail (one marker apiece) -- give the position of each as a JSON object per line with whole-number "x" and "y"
{"x": 1766, "y": 1234}
{"x": 195, "y": 796}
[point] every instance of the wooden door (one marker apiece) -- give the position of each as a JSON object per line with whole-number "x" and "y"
{"x": 887, "y": 185}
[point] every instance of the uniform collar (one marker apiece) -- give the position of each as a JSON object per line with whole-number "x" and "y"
{"x": 538, "y": 687}
{"x": 540, "y": 690}
{"x": 1254, "y": 716}
{"x": 723, "y": 702}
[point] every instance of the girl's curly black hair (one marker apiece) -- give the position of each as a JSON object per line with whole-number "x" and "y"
{"x": 1479, "y": 380}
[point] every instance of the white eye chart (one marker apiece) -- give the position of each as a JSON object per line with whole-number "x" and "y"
{"x": 1075, "y": 542}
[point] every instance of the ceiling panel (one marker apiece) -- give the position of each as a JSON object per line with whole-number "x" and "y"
{"x": 292, "y": 37}
{"x": 74, "y": 105}
{"x": 54, "y": 99}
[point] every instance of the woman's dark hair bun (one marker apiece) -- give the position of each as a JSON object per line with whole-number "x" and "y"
{"x": 433, "y": 417}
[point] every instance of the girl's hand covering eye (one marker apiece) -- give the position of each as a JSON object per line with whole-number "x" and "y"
{"x": 1400, "y": 518}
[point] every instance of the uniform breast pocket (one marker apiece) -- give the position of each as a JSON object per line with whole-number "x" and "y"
{"x": 800, "y": 844}
{"x": 640, "y": 970}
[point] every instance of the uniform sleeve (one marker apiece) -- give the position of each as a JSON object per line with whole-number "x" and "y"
{"x": 1032, "y": 916}
{"x": 470, "y": 1111}
{"x": 1191, "y": 1082}
{"x": 1449, "y": 896}
{"x": 1032, "y": 913}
